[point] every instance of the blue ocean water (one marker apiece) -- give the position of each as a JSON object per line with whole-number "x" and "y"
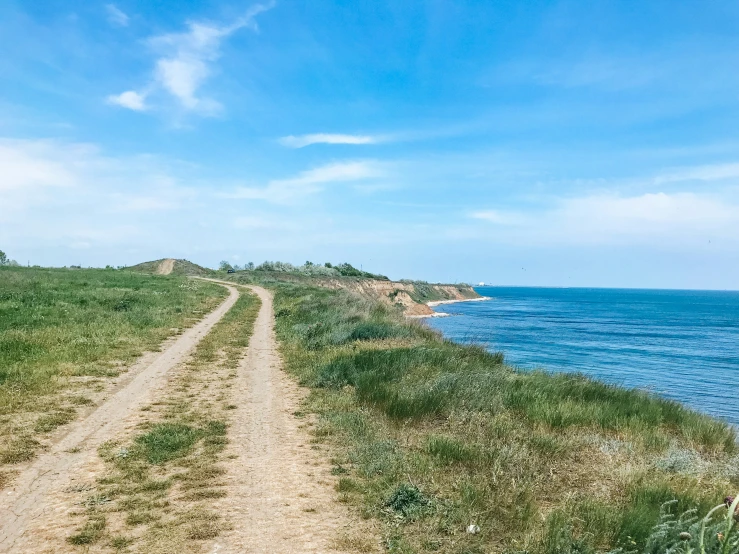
{"x": 680, "y": 344}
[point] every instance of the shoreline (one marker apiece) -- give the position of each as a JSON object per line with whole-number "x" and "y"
{"x": 440, "y": 302}
{"x": 424, "y": 316}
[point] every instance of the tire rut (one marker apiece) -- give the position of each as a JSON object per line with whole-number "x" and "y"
{"x": 281, "y": 495}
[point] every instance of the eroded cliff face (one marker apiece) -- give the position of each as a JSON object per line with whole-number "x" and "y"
{"x": 409, "y": 297}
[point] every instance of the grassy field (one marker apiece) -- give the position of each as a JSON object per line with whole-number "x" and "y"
{"x": 455, "y": 452}
{"x": 158, "y": 485}
{"x": 64, "y": 333}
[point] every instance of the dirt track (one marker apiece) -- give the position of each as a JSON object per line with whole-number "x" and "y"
{"x": 280, "y": 492}
{"x": 166, "y": 267}
{"x": 32, "y": 502}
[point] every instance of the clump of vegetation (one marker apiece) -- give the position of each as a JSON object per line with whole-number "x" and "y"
{"x": 347, "y": 270}
{"x": 62, "y": 333}
{"x": 406, "y": 499}
{"x": 166, "y": 441}
{"x": 542, "y": 463}
{"x": 715, "y": 533}
{"x": 308, "y": 269}
{"x": 4, "y": 260}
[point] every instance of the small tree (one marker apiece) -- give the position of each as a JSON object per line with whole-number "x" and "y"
{"x": 249, "y": 266}
{"x": 224, "y": 266}
{"x": 3, "y": 258}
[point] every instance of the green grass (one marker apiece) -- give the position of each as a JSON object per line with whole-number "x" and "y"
{"x": 161, "y": 481}
{"x": 63, "y": 332}
{"x": 542, "y": 463}
{"x": 167, "y": 441}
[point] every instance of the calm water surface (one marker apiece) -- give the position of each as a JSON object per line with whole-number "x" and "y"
{"x": 681, "y": 344}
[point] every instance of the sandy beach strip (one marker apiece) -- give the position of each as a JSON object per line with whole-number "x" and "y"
{"x": 423, "y": 316}
{"x": 440, "y": 302}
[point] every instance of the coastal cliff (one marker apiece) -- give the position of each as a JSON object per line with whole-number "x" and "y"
{"x": 409, "y": 296}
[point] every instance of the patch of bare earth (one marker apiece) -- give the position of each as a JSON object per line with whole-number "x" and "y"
{"x": 166, "y": 267}
{"x": 34, "y": 515}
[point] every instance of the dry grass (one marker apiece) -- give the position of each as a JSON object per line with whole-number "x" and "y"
{"x": 160, "y": 482}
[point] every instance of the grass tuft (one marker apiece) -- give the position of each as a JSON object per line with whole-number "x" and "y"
{"x": 167, "y": 441}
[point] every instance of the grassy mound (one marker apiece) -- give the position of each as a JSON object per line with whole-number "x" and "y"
{"x": 181, "y": 267}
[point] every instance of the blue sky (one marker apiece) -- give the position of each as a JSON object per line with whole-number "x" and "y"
{"x": 519, "y": 143}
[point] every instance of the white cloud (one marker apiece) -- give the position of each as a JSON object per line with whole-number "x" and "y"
{"x": 116, "y": 16}
{"x": 185, "y": 62}
{"x": 716, "y": 172}
{"x": 326, "y": 138}
{"x": 605, "y": 218}
{"x": 659, "y": 210}
{"x": 257, "y": 223}
{"x": 129, "y": 99}
{"x": 499, "y": 217}
{"x": 58, "y": 174}
{"x": 309, "y": 182}
{"x": 30, "y": 165}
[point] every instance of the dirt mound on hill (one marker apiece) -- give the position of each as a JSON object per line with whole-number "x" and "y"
{"x": 166, "y": 267}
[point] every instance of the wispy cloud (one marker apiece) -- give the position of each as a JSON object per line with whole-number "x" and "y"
{"x": 309, "y": 182}
{"x": 130, "y": 99}
{"x": 48, "y": 172}
{"x": 116, "y": 16}
{"x": 185, "y": 63}
{"x": 609, "y": 218}
{"x": 499, "y": 217}
{"x": 30, "y": 165}
{"x": 326, "y": 138}
{"x": 715, "y": 172}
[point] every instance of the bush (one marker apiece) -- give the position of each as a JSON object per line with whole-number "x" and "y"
{"x": 407, "y": 499}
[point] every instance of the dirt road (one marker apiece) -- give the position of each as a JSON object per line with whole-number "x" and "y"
{"x": 280, "y": 492}
{"x": 31, "y": 504}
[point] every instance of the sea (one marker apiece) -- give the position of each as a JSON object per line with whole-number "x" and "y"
{"x": 680, "y": 344}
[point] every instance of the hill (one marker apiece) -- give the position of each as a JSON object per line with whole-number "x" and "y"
{"x": 171, "y": 266}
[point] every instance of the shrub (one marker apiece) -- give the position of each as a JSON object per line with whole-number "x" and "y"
{"x": 716, "y": 533}
{"x": 407, "y": 500}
